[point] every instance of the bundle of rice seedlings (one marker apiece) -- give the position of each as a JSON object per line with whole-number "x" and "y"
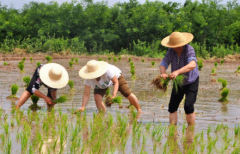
{"x": 238, "y": 70}
{"x": 70, "y": 64}
{"x": 160, "y": 84}
{"x": 35, "y": 100}
{"x": 224, "y": 95}
{"x": 108, "y": 92}
{"x": 153, "y": 63}
{"x": 119, "y": 58}
{"x": 115, "y": 59}
{"x": 109, "y": 101}
{"x": 109, "y": 58}
{"x": 222, "y": 61}
{"x": 61, "y": 99}
{"x": 21, "y": 62}
{"x": 71, "y": 84}
{"x": 131, "y": 64}
{"x": 5, "y": 63}
{"x": 27, "y": 80}
{"x": 213, "y": 72}
{"x": 129, "y": 59}
{"x": 49, "y": 59}
{"x": 76, "y": 60}
{"x": 224, "y": 83}
{"x": 31, "y": 59}
{"x": 38, "y": 64}
{"x": 14, "y": 90}
{"x": 72, "y": 59}
{"x": 24, "y": 58}
{"x": 216, "y": 64}
{"x": 178, "y": 82}
{"x": 132, "y": 71}
{"x": 143, "y": 60}
{"x": 200, "y": 65}
{"x": 100, "y": 59}
{"x": 21, "y": 67}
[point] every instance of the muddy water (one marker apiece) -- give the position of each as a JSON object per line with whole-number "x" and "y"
{"x": 154, "y": 103}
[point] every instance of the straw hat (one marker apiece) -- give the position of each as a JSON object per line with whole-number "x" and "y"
{"x": 177, "y": 39}
{"x": 54, "y": 75}
{"x": 93, "y": 69}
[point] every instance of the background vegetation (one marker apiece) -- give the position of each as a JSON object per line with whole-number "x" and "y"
{"x": 125, "y": 28}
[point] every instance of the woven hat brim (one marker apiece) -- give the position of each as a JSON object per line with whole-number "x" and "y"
{"x": 44, "y": 76}
{"x": 188, "y": 38}
{"x": 103, "y": 66}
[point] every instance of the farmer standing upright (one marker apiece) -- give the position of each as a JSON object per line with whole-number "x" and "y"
{"x": 183, "y": 60}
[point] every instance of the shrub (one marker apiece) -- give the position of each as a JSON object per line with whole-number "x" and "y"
{"x": 100, "y": 59}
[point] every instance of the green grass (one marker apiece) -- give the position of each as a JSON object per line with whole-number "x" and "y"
{"x": 153, "y": 63}
{"x": 109, "y": 58}
{"x": 71, "y": 84}
{"x": 143, "y": 60}
{"x": 238, "y": 70}
{"x": 24, "y": 58}
{"x": 213, "y": 71}
{"x": 70, "y": 64}
{"x": 27, "y": 80}
{"x": 100, "y": 59}
{"x": 76, "y": 60}
{"x": 200, "y": 65}
{"x": 178, "y": 82}
{"x": 119, "y": 58}
{"x": 31, "y": 59}
{"x": 72, "y": 59}
{"x": 14, "y": 90}
{"x": 5, "y": 63}
{"x": 108, "y": 92}
{"x": 223, "y": 81}
{"x": 38, "y": 64}
{"x": 115, "y": 59}
{"x": 61, "y": 99}
{"x": 49, "y": 59}
{"x": 21, "y": 67}
{"x": 216, "y": 64}
{"x": 224, "y": 95}
{"x": 221, "y": 62}
{"x": 129, "y": 59}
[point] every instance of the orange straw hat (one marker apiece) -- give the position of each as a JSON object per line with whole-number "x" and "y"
{"x": 54, "y": 75}
{"x": 177, "y": 39}
{"x": 93, "y": 69}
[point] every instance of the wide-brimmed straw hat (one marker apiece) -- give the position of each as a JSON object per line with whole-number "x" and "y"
{"x": 54, "y": 75}
{"x": 93, "y": 69}
{"x": 177, "y": 39}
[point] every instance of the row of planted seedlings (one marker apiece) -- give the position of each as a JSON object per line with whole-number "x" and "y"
{"x": 60, "y": 132}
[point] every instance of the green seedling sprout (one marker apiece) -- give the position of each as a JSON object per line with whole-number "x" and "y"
{"x": 213, "y": 72}
{"x": 14, "y": 90}
{"x": 76, "y": 60}
{"x": 115, "y": 59}
{"x": 61, "y": 99}
{"x": 71, "y": 85}
{"x": 221, "y": 62}
{"x": 8, "y": 146}
{"x": 38, "y": 64}
{"x": 21, "y": 62}
{"x": 160, "y": 84}
{"x": 238, "y": 70}
{"x": 108, "y": 92}
{"x": 129, "y": 59}
{"x": 49, "y": 59}
{"x": 153, "y": 63}
{"x": 119, "y": 58}
{"x": 70, "y": 64}
{"x": 224, "y": 95}
{"x": 109, "y": 101}
{"x": 35, "y": 100}
{"x": 215, "y": 64}
{"x": 178, "y": 82}
{"x": 21, "y": 67}
{"x": 224, "y": 82}
{"x": 72, "y": 59}
{"x": 5, "y": 63}
{"x": 143, "y": 60}
{"x": 200, "y": 65}
{"x": 27, "y": 80}
{"x": 100, "y": 59}
{"x": 24, "y": 58}
{"x": 31, "y": 59}
{"x": 109, "y": 58}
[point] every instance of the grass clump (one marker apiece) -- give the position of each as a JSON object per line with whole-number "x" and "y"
{"x": 223, "y": 81}
{"x": 143, "y": 60}
{"x": 27, "y": 80}
{"x": 21, "y": 67}
{"x": 221, "y": 62}
{"x": 153, "y": 63}
{"x": 35, "y": 100}
{"x": 5, "y": 63}
{"x": 200, "y": 65}
{"x": 61, "y": 99}
{"x": 38, "y": 64}
{"x": 71, "y": 84}
{"x": 224, "y": 95}
{"x": 238, "y": 70}
{"x": 216, "y": 64}
{"x": 70, "y": 64}
{"x": 48, "y": 58}
{"x": 14, "y": 90}
{"x": 115, "y": 59}
{"x": 76, "y": 60}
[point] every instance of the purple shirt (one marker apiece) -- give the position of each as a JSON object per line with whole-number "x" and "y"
{"x": 187, "y": 55}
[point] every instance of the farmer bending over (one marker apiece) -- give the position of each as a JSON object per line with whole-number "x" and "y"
{"x": 100, "y": 75}
{"x": 182, "y": 58}
{"x": 53, "y": 76}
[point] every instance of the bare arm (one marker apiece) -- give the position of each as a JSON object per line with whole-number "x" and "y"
{"x": 85, "y": 98}
{"x": 189, "y": 67}
{"x": 116, "y": 86}
{"x": 41, "y": 95}
{"x": 163, "y": 72}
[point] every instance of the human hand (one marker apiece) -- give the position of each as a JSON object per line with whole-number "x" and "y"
{"x": 79, "y": 110}
{"x": 164, "y": 76}
{"x": 173, "y": 75}
{"x": 48, "y": 101}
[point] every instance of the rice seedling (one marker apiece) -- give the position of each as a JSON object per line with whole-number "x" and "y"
{"x": 27, "y": 80}
{"x": 14, "y": 90}
{"x": 209, "y": 129}
{"x": 49, "y": 59}
{"x": 70, "y": 64}
{"x": 71, "y": 85}
{"x": 129, "y": 59}
{"x": 178, "y": 82}
{"x": 132, "y": 71}
{"x": 108, "y": 92}
{"x": 100, "y": 59}
{"x": 115, "y": 59}
{"x": 236, "y": 130}
{"x": 213, "y": 72}
{"x": 119, "y": 58}
{"x": 224, "y": 82}
{"x": 224, "y": 95}
{"x": 148, "y": 126}
{"x": 200, "y": 65}
{"x": 5, "y": 63}
{"x": 109, "y": 101}
{"x": 72, "y": 59}
{"x": 31, "y": 59}
{"x": 221, "y": 62}
{"x": 8, "y": 146}
{"x": 21, "y": 67}
{"x": 143, "y": 60}
{"x": 183, "y": 128}
{"x": 38, "y": 64}
{"x": 76, "y": 60}
{"x": 21, "y": 62}
{"x": 153, "y": 63}
{"x": 24, "y": 140}
{"x": 215, "y": 64}
{"x": 160, "y": 84}
{"x": 109, "y": 58}
{"x": 61, "y": 99}
{"x": 35, "y": 100}
{"x": 6, "y": 128}
{"x": 24, "y": 58}
{"x": 238, "y": 70}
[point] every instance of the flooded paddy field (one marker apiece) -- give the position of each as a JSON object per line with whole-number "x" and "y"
{"x": 121, "y": 130}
